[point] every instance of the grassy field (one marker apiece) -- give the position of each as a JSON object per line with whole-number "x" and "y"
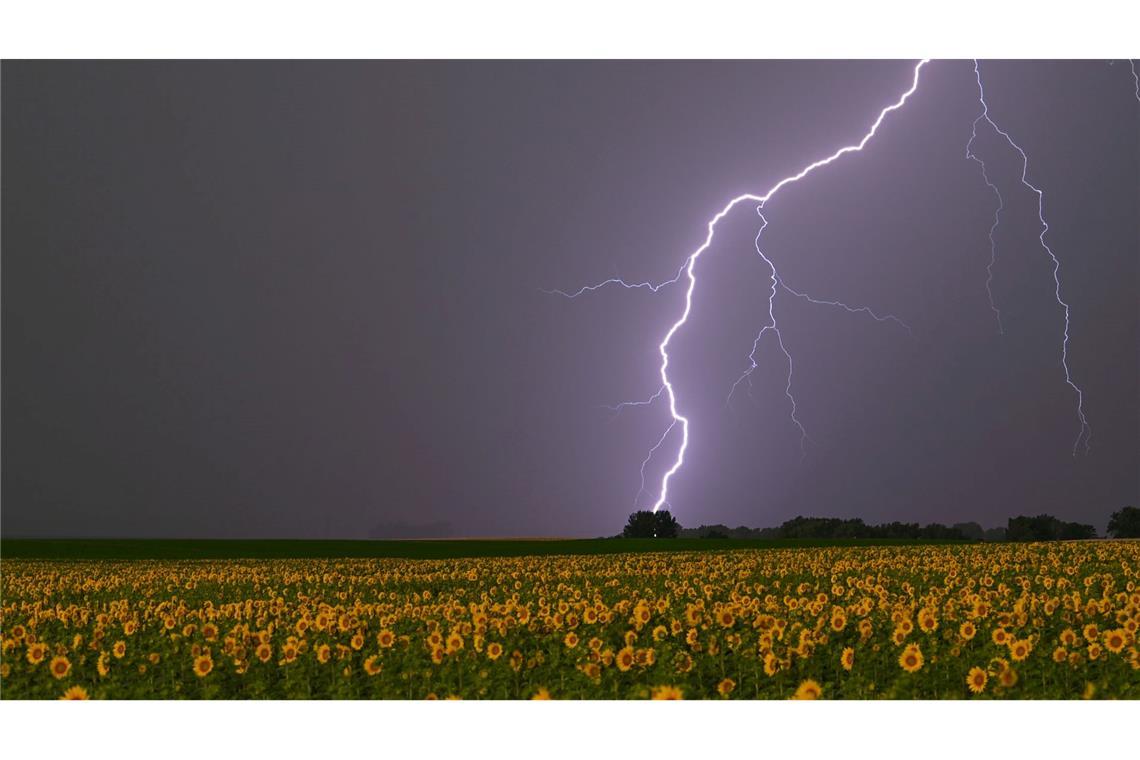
{"x": 427, "y": 549}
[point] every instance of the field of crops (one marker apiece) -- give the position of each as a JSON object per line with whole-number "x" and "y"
{"x": 973, "y": 621}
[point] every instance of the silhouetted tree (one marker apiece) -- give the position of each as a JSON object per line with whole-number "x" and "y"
{"x": 1125, "y": 523}
{"x": 641, "y": 525}
{"x": 646, "y": 524}
{"x": 1046, "y": 528}
{"x": 665, "y": 525}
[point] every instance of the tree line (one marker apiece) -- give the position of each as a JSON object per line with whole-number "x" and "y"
{"x": 1124, "y": 523}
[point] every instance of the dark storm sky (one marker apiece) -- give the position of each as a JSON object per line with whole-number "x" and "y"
{"x": 304, "y": 299}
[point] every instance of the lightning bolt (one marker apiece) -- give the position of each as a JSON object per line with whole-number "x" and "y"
{"x": 997, "y": 217}
{"x": 651, "y": 286}
{"x": 688, "y": 269}
{"x": 775, "y": 329}
{"x": 1085, "y": 432}
{"x": 1135, "y": 77}
{"x": 851, "y": 309}
{"x": 616, "y": 408}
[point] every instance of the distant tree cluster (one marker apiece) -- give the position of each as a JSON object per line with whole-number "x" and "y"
{"x": 834, "y": 527}
{"x": 1046, "y": 528}
{"x": 646, "y": 524}
{"x": 1125, "y": 523}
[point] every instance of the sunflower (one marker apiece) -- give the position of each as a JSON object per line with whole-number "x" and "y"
{"x": 264, "y": 652}
{"x": 323, "y": 653}
{"x": 203, "y": 665}
{"x": 809, "y": 689}
{"x": 541, "y": 694}
{"x": 1091, "y": 632}
{"x": 119, "y": 649}
{"x": 838, "y": 621}
{"x": 103, "y": 664}
{"x": 976, "y": 680}
{"x": 372, "y": 665}
{"x": 357, "y": 641}
{"x": 494, "y": 650}
{"x": 771, "y": 664}
{"x": 571, "y": 640}
{"x": 592, "y": 671}
{"x": 386, "y": 638}
{"x": 1068, "y": 637}
{"x": 36, "y": 653}
{"x": 60, "y": 666}
{"x": 726, "y": 618}
{"x": 1115, "y": 640}
{"x": 1060, "y": 654}
{"x": 454, "y": 642}
{"x": 1000, "y": 636}
{"x": 1007, "y": 677}
{"x": 847, "y": 659}
{"x": 667, "y": 693}
{"x": 725, "y": 687}
{"x": 1019, "y": 649}
{"x": 967, "y": 630}
{"x": 911, "y": 659}
{"x": 74, "y": 693}
{"x": 625, "y": 658}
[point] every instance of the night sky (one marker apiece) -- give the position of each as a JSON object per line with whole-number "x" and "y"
{"x": 306, "y": 299}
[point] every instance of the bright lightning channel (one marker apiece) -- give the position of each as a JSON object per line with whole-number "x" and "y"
{"x": 688, "y": 269}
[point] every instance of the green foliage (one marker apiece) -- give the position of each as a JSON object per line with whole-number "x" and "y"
{"x": 1046, "y": 528}
{"x": 1125, "y": 523}
{"x": 646, "y": 524}
{"x": 641, "y": 524}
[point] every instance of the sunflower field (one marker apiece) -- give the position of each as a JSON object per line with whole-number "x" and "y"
{"x": 977, "y": 621}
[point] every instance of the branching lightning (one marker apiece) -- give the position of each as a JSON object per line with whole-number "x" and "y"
{"x": 651, "y": 286}
{"x": 997, "y": 218}
{"x": 851, "y": 309}
{"x": 1135, "y": 77}
{"x": 1085, "y": 432}
{"x": 688, "y": 270}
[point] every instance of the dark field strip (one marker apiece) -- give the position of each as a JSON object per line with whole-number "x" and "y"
{"x": 81, "y": 549}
